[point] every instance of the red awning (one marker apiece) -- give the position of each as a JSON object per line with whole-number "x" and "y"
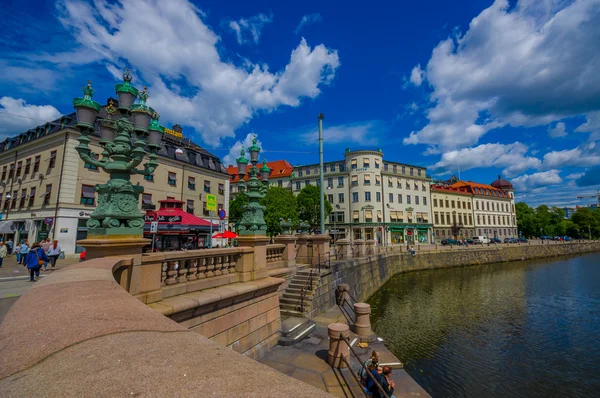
{"x": 182, "y": 217}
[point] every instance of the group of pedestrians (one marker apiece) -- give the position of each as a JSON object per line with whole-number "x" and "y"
{"x": 372, "y": 372}
{"x": 35, "y": 258}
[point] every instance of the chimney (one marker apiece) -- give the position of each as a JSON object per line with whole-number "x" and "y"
{"x": 177, "y": 128}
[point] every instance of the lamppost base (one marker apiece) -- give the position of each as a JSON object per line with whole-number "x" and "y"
{"x": 114, "y": 246}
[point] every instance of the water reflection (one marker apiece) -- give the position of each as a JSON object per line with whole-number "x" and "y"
{"x": 503, "y": 330}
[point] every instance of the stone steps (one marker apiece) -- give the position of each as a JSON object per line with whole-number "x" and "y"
{"x": 294, "y": 329}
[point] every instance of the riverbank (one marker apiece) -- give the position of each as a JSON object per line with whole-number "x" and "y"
{"x": 366, "y": 275}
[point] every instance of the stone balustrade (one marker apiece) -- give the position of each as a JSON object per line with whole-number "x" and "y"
{"x": 275, "y": 255}
{"x": 79, "y": 329}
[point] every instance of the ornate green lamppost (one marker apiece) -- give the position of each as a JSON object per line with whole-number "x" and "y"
{"x": 252, "y": 222}
{"x": 127, "y": 134}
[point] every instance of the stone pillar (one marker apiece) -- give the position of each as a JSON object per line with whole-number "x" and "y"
{"x": 259, "y": 263}
{"x": 289, "y": 253}
{"x": 338, "y": 349}
{"x": 342, "y": 293}
{"x": 362, "y": 322}
{"x": 343, "y": 249}
{"x": 302, "y": 248}
{"x": 320, "y": 246}
{"x": 370, "y": 247}
{"x": 360, "y": 248}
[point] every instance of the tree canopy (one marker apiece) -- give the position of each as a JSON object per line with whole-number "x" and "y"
{"x": 235, "y": 207}
{"x": 309, "y": 206}
{"x": 280, "y": 203}
{"x": 550, "y": 221}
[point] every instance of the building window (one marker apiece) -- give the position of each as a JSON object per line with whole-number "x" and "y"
{"x": 416, "y": 200}
{"x": 487, "y": 205}
{"x": 391, "y": 198}
{"x": 353, "y": 164}
{"x": 330, "y": 198}
{"x": 88, "y": 194}
{"x": 399, "y": 198}
{"x": 190, "y": 206}
{"x": 367, "y": 179}
{"x": 149, "y": 177}
{"x": 299, "y": 173}
{"x": 280, "y": 183}
{"x": 13, "y": 200}
{"x": 419, "y": 172}
{"x": 307, "y": 172}
{"x": 331, "y": 168}
{"x": 306, "y": 183}
{"x": 489, "y": 220}
{"x": 412, "y": 172}
{"x": 318, "y": 183}
{"x": 147, "y": 201}
{"x": 19, "y": 168}
{"x": 31, "y": 196}
{"x": 341, "y": 167}
{"x": 354, "y": 180}
{"x": 355, "y": 217}
{"x": 340, "y": 197}
{"x": 298, "y": 187}
{"x": 354, "y": 197}
{"x": 205, "y": 212}
{"x": 390, "y": 183}
{"x": 378, "y": 196}
{"x": 376, "y": 163}
{"x": 436, "y": 217}
{"x": 367, "y": 196}
{"x": 27, "y": 166}
{"x": 368, "y": 215}
{"x": 441, "y": 203}
{"x": 172, "y": 179}
{"x": 378, "y": 180}
{"x": 221, "y": 189}
{"x": 425, "y": 200}
{"x": 407, "y": 185}
{"x": 90, "y": 166}
{"x": 453, "y": 205}
{"x": 47, "y": 194}
{"x": 403, "y": 169}
{"x": 206, "y": 186}
{"x": 399, "y": 183}
{"x": 416, "y": 186}
{"x": 22, "y": 198}
{"x": 379, "y": 217}
{"x": 4, "y": 173}
{"x": 11, "y": 172}
{"x": 470, "y": 220}
{"x": 52, "y": 161}
{"x": 192, "y": 183}
{"x": 448, "y": 218}
{"x": 447, "y": 204}
{"x": 385, "y": 166}
{"x": 330, "y": 183}
{"x": 434, "y": 202}
{"x": 365, "y": 162}
{"x": 340, "y": 181}
{"x": 407, "y": 199}
{"x": 340, "y": 217}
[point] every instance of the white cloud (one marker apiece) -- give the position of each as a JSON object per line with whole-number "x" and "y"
{"x": 416, "y": 75}
{"x": 583, "y": 156}
{"x": 574, "y": 176}
{"x": 510, "y": 156}
{"x": 366, "y": 133}
{"x": 524, "y": 64}
{"x": 249, "y": 26}
{"x": 592, "y": 125}
{"x": 189, "y": 82}
{"x": 558, "y": 130}
{"x": 235, "y": 150}
{"x": 307, "y": 20}
{"x": 16, "y": 116}
{"x": 529, "y": 182}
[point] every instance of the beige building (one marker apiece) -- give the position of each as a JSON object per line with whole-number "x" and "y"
{"x": 48, "y": 191}
{"x": 452, "y": 212}
{"x": 372, "y": 198}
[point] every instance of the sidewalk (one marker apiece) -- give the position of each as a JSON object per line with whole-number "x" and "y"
{"x": 10, "y": 269}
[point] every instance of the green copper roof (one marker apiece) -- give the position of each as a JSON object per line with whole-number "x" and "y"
{"x": 154, "y": 124}
{"x": 242, "y": 158}
{"x": 87, "y": 100}
{"x": 254, "y": 146}
{"x": 264, "y": 166}
{"x": 126, "y": 86}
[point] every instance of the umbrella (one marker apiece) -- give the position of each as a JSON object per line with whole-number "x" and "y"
{"x": 218, "y": 236}
{"x": 229, "y": 235}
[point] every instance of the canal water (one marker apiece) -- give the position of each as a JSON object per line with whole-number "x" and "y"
{"x": 521, "y": 329}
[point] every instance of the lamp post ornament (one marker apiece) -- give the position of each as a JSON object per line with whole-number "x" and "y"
{"x": 252, "y": 222}
{"x": 117, "y": 212}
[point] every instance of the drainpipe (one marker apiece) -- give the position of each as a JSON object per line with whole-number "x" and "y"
{"x": 321, "y": 190}
{"x": 62, "y": 167}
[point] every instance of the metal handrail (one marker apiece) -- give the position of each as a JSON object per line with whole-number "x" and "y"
{"x": 303, "y": 290}
{"x": 347, "y": 341}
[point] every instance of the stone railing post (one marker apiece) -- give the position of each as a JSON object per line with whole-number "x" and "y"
{"x": 360, "y": 248}
{"x": 258, "y": 267}
{"x": 370, "y": 247}
{"x": 289, "y": 253}
{"x": 338, "y": 349}
{"x": 362, "y": 322}
{"x": 344, "y": 251}
{"x": 320, "y": 246}
{"x": 302, "y": 249}
{"x": 342, "y": 294}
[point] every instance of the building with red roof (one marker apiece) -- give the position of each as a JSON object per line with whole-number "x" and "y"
{"x": 452, "y": 210}
{"x": 281, "y": 174}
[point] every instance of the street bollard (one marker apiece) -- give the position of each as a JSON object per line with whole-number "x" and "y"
{"x": 362, "y": 322}
{"x": 338, "y": 350}
{"x": 342, "y": 293}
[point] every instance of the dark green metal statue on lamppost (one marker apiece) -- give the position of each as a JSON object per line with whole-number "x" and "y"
{"x": 252, "y": 222}
{"x": 128, "y": 133}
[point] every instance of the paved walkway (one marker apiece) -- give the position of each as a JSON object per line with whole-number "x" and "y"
{"x": 307, "y": 361}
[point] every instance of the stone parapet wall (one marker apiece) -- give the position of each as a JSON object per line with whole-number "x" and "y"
{"x": 367, "y": 274}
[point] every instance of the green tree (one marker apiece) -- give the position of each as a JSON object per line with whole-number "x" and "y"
{"x": 235, "y": 207}
{"x": 587, "y": 220}
{"x": 571, "y": 229}
{"x": 309, "y": 206}
{"x": 527, "y": 220}
{"x": 280, "y": 203}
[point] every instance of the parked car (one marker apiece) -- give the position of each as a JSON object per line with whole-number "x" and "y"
{"x": 449, "y": 242}
{"x": 507, "y": 240}
{"x": 481, "y": 240}
{"x": 522, "y": 240}
{"x": 567, "y": 239}
{"x": 470, "y": 241}
{"x": 495, "y": 240}
{"x": 546, "y": 237}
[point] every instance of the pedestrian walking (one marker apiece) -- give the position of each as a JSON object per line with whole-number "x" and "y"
{"x": 45, "y": 245}
{"x": 3, "y": 253}
{"x": 34, "y": 260}
{"x": 23, "y": 249}
{"x": 53, "y": 253}
{"x": 9, "y": 247}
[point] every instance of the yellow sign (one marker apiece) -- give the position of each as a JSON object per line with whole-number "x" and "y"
{"x": 211, "y": 203}
{"x": 173, "y": 133}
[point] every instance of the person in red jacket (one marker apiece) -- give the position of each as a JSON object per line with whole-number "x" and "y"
{"x": 82, "y": 256}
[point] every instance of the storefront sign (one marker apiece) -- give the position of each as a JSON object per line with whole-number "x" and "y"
{"x": 173, "y": 133}
{"x": 211, "y": 203}
{"x": 48, "y": 220}
{"x": 64, "y": 230}
{"x": 148, "y": 218}
{"x": 42, "y": 235}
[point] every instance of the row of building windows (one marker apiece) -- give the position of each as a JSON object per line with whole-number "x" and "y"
{"x": 172, "y": 181}
{"x": 368, "y": 198}
{"x": 13, "y": 171}
{"x": 452, "y": 204}
{"x": 395, "y": 216}
{"x": 457, "y": 219}
{"x": 491, "y": 192}
{"x": 354, "y": 163}
{"x": 366, "y": 182}
{"x": 491, "y": 220}
{"x": 26, "y": 199}
{"x": 501, "y": 231}
{"x": 495, "y": 206}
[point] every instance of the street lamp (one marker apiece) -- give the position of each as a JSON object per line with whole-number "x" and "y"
{"x": 252, "y": 221}
{"x": 117, "y": 212}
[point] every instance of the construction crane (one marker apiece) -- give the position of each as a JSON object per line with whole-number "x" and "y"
{"x": 597, "y": 195}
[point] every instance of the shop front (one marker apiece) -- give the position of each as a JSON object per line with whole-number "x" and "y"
{"x": 177, "y": 229}
{"x": 410, "y": 234}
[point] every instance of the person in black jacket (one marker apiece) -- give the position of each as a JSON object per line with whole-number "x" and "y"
{"x": 385, "y": 381}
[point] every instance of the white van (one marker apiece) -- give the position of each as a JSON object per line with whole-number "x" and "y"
{"x": 481, "y": 240}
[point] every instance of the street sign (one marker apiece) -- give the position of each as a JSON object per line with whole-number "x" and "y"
{"x": 211, "y": 203}
{"x": 154, "y": 227}
{"x": 409, "y": 233}
{"x": 222, "y": 214}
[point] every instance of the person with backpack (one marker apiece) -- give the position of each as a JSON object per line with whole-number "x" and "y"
{"x": 53, "y": 253}
{"x": 34, "y": 260}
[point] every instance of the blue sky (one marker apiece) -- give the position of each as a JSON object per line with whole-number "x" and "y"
{"x": 504, "y": 87}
